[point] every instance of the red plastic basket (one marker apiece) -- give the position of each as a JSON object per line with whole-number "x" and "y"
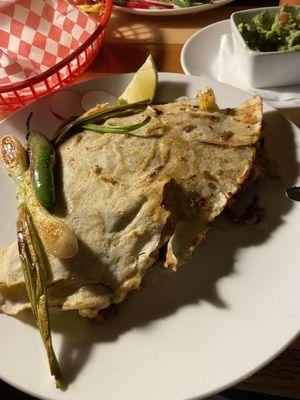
{"x": 18, "y": 94}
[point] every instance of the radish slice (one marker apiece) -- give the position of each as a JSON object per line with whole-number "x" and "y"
{"x": 65, "y": 103}
{"x": 94, "y": 97}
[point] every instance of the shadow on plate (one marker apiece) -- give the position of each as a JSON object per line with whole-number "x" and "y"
{"x": 177, "y": 89}
{"x": 164, "y": 292}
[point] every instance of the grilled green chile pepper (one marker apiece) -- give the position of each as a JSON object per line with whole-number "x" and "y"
{"x": 42, "y": 161}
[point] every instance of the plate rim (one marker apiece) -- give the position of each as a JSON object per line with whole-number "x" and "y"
{"x": 171, "y": 12}
{"x": 190, "y": 39}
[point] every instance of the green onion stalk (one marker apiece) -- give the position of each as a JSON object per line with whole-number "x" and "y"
{"x": 73, "y": 124}
{"x": 33, "y": 260}
{"x": 116, "y": 129}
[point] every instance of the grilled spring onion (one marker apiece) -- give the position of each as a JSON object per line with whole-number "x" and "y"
{"x": 34, "y": 266}
{"x": 116, "y": 129}
{"x": 42, "y": 161}
{"x": 33, "y": 260}
{"x": 13, "y": 157}
{"x": 69, "y": 128}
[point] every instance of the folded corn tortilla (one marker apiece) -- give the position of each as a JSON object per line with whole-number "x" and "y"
{"x": 136, "y": 199}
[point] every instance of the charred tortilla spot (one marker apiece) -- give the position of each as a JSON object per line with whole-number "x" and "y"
{"x": 108, "y": 179}
{"x": 227, "y": 135}
{"x": 209, "y": 177}
{"x": 189, "y": 128}
{"x": 229, "y": 111}
{"x": 78, "y": 139}
{"x": 96, "y": 170}
{"x": 156, "y": 171}
{"x": 71, "y": 163}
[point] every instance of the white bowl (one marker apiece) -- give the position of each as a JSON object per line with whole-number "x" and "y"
{"x": 263, "y": 69}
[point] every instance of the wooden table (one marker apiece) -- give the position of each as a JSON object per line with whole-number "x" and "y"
{"x": 129, "y": 39}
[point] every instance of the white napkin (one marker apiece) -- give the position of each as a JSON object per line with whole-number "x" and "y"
{"x": 228, "y": 72}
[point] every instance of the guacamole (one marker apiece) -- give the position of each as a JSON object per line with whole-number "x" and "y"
{"x": 273, "y": 32}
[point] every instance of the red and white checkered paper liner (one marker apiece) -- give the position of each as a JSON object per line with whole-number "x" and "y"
{"x": 37, "y": 34}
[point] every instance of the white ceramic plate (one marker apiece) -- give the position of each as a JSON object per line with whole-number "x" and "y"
{"x": 175, "y": 11}
{"x": 184, "y": 335}
{"x": 200, "y": 54}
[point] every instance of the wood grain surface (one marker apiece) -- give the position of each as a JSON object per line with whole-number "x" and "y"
{"x": 129, "y": 39}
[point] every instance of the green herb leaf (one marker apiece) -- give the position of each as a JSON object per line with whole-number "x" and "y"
{"x": 100, "y": 117}
{"x": 116, "y": 129}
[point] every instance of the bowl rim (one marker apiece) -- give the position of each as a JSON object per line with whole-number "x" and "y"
{"x": 235, "y": 31}
{"x": 52, "y": 70}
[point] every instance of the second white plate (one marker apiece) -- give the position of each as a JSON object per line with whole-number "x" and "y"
{"x": 199, "y": 55}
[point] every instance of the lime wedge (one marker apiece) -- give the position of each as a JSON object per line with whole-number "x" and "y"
{"x": 143, "y": 84}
